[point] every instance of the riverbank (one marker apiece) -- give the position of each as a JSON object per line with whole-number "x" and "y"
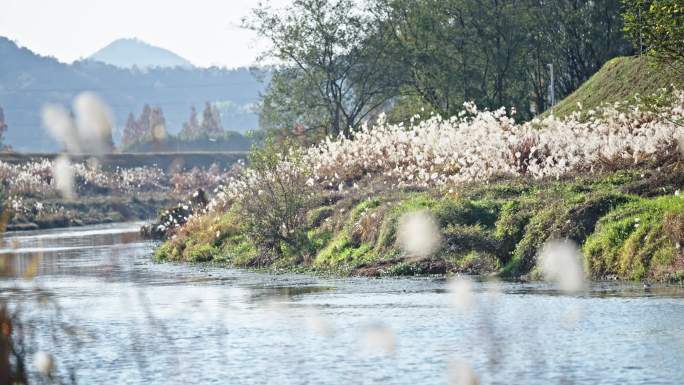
{"x": 476, "y": 193}
{"x": 91, "y": 210}
{"x": 629, "y": 225}
{"x": 43, "y": 194}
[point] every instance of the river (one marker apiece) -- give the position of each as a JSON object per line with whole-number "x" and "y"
{"x": 93, "y": 298}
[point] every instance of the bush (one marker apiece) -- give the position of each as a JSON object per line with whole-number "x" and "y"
{"x": 275, "y": 199}
{"x": 510, "y": 227}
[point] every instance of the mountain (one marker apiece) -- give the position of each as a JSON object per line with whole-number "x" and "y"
{"x": 28, "y": 81}
{"x": 129, "y": 53}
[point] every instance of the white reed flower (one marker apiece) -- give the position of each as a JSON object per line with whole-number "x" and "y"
{"x": 379, "y": 339}
{"x": 94, "y": 122}
{"x": 419, "y": 234}
{"x": 460, "y": 291}
{"x": 64, "y": 177}
{"x": 561, "y": 262}
{"x": 460, "y": 373}
{"x": 43, "y": 363}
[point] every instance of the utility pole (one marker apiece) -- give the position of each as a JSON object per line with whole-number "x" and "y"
{"x": 552, "y": 86}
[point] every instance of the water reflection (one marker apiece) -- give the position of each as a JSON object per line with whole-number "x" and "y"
{"x": 108, "y": 314}
{"x": 94, "y": 251}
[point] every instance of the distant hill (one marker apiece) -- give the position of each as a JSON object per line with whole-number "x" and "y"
{"x": 620, "y": 79}
{"x": 28, "y": 81}
{"x": 129, "y": 53}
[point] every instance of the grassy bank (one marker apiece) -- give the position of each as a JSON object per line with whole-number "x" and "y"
{"x": 492, "y": 191}
{"x": 630, "y": 225}
{"x": 619, "y": 80}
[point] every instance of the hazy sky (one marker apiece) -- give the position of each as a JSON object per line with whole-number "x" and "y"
{"x": 206, "y": 32}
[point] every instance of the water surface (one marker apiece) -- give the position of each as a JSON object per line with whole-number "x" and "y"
{"x": 96, "y": 301}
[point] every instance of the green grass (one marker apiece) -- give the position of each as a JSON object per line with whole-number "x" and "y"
{"x": 489, "y": 228}
{"x": 346, "y": 248}
{"x": 619, "y": 80}
{"x": 631, "y": 242}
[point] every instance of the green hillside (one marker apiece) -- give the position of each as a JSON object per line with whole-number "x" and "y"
{"x": 620, "y": 79}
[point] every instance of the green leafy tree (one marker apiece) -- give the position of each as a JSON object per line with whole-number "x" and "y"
{"x": 157, "y": 125}
{"x": 344, "y": 64}
{"x": 657, "y": 27}
{"x": 289, "y": 103}
{"x": 496, "y": 53}
{"x": 459, "y": 50}
{"x": 333, "y": 75}
{"x": 577, "y": 37}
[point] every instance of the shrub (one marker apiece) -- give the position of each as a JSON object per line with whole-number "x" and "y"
{"x": 673, "y": 225}
{"x": 485, "y": 145}
{"x": 35, "y": 179}
{"x": 477, "y": 262}
{"x": 510, "y": 227}
{"x": 317, "y": 216}
{"x": 274, "y": 199}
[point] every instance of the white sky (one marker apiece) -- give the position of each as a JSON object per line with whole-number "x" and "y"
{"x": 206, "y": 32}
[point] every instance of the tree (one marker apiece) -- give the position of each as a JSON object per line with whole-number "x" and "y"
{"x": 495, "y": 52}
{"x": 3, "y": 128}
{"x": 459, "y": 50}
{"x": 144, "y": 124}
{"x": 150, "y": 126}
{"x": 333, "y": 74}
{"x": 657, "y": 26}
{"x": 157, "y": 125}
{"x": 211, "y": 121}
{"x": 590, "y": 34}
{"x": 131, "y": 133}
{"x": 343, "y": 64}
{"x": 290, "y": 102}
{"x": 276, "y": 199}
{"x": 191, "y": 128}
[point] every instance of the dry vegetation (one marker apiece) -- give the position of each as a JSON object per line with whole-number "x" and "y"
{"x": 35, "y": 196}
